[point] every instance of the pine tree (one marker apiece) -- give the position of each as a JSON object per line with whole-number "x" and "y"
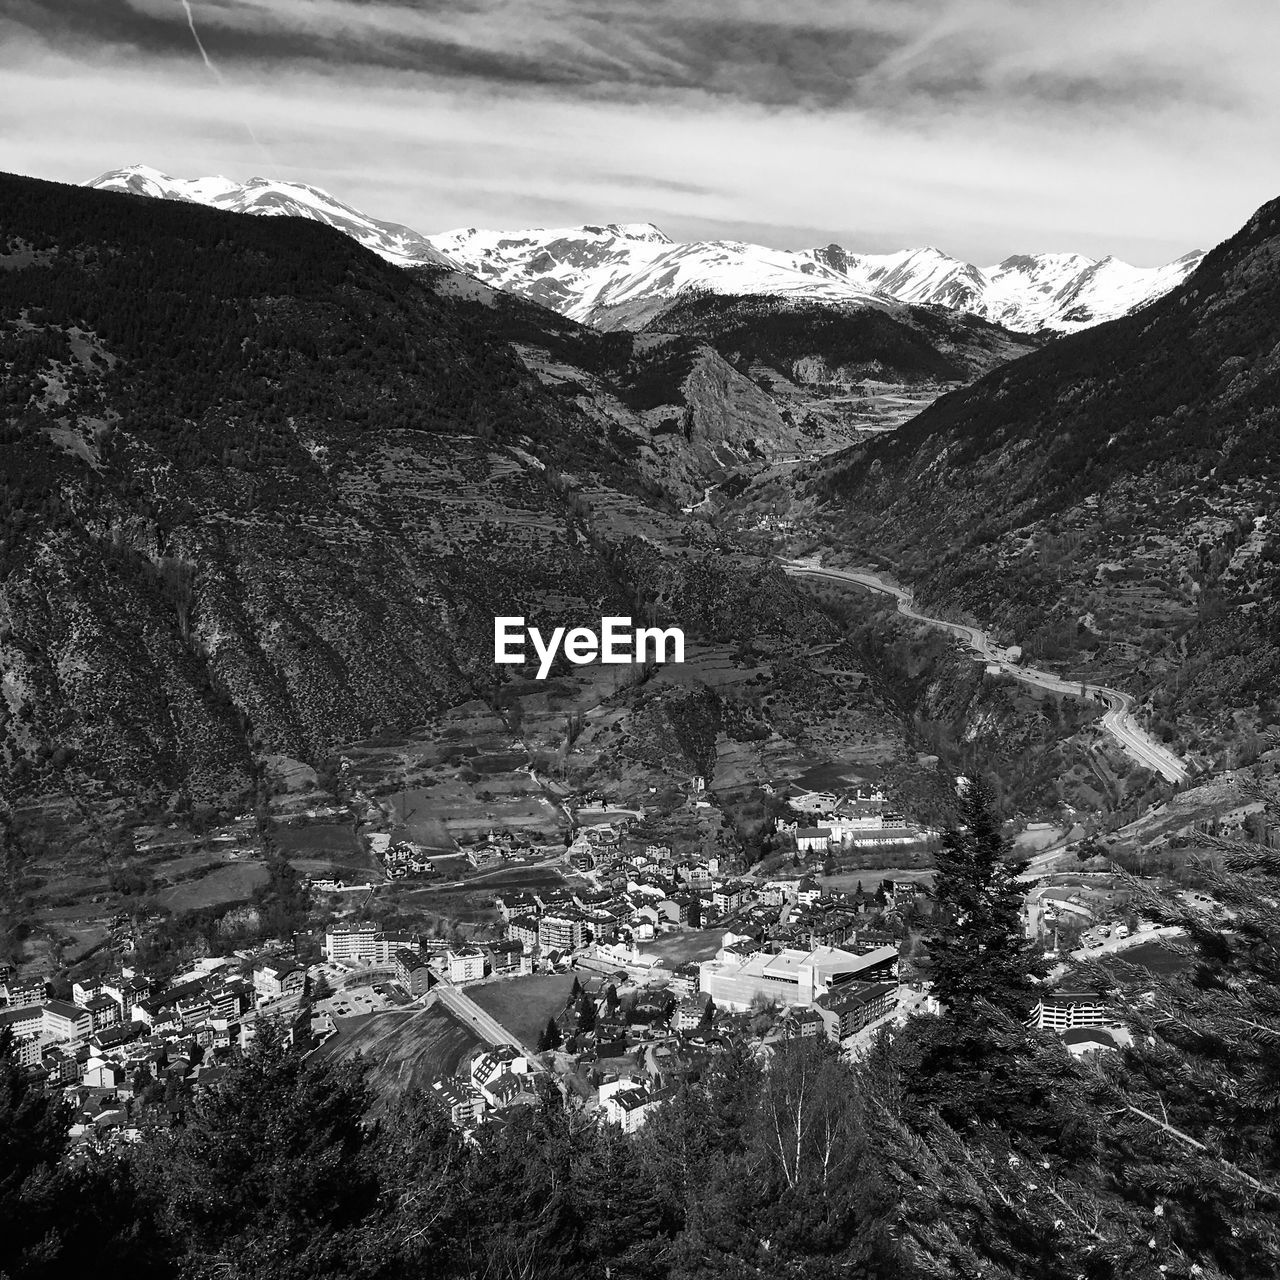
{"x": 980, "y": 954}
{"x": 707, "y": 1021}
{"x": 33, "y": 1139}
{"x": 270, "y": 1164}
{"x": 550, "y": 1038}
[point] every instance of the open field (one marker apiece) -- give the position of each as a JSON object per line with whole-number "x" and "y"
{"x": 523, "y": 1005}
{"x": 1030, "y": 841}
{"x": 680, "y": 948}
{"x": 334, "y": 841}
{"x": 848, "y": 881}
{"x": 221, "y": 887}
{"x": 403, "y": 1050}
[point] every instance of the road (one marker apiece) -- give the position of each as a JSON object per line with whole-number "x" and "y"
{"x": 485, "y": 1025}
{"x": 1118, "y": 718}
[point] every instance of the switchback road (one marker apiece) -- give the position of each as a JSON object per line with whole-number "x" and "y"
{"x": 1118, "y": 719}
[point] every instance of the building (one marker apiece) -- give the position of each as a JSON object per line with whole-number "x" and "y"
{"x": 412, "y": 972}
{"x": 192, "y": 1010}
{"x": 127, "y": 993}
{"x": 845, "y": 1012}
{"x": 353, "y": 943}
{"x": 100, "y": 1074}
{"x": 729, "y": 896}
{"x": 464, "y": 964}
{"x": 501, "y": 1075}
{"x": 1058, "y": 1010}
{"x": 84, "y": 989}
{"x": 24, "y": 1020}
{"x": 507, "y": 957}
{"x": 64, "y": 1021}
{"x": 791, "y": 976}
{"x": 813, "y": 839}
{"x": 562, "y": 932}
{"x": 464, "y": 1101}
{"x": 276, "y": 977}
{"x": 104, "y": 1011}
{"x": 226, "y": 1003}
{"x": 23, "y": 991}
{"x": 113, "y": 1038}
{"x": 687, "y": 1015}
{"x": 365, "y": 943}
{"x": 800, "y": 1024}
{"x": 524, "y": 930}
{"x": 684, "y": 980}
{"x": 627, "y": 1103}
{"x": 26, "y": 1023}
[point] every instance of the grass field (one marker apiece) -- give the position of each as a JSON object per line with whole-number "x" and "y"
{"x": 225, "y": 884}
{"x": 403, "y": 1050}
{"x": 322, "y": 840}
{"x": 680, "y": 948}
{"x": 848, "y": 881}
{"x": 523, "y": 1005}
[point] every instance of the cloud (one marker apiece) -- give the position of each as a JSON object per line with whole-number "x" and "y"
{"x": 982, "y": 126}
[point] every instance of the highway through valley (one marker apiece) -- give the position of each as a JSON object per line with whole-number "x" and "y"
{"x": 1118, "y": 720}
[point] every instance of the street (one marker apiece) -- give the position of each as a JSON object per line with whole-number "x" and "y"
{"x": 1118, "y": 719}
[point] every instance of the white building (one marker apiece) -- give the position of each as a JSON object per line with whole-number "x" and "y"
{"x": 626, "y": 1103}
{"x": 1059, "y": 1010}
{"x": 791, "y": 976}
{"x": 465, "y": 964}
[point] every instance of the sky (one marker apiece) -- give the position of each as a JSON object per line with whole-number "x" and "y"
{"x": 1141, "y": 128}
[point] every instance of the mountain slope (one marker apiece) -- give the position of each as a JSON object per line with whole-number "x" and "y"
{"x": 389, "y": 240}
{"x": 1111, "y": 498}
{"x": 813, "y": 342}
{"x": 271, "y": 504}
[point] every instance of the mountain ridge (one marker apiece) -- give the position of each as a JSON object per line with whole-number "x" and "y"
{"x": 619, "y": 275}
{"x": 1109, "y": 498}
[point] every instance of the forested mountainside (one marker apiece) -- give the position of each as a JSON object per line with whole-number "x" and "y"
{"x": 1111, "y": 498}
{"x": 260, "y": 491}
{"x": 842, "y": 343}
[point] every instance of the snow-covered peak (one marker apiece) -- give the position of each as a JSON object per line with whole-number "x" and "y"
{"x": 266, "y": 196}
{"x": 619, "y": 274}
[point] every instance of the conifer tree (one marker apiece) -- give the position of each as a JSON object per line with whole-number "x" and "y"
{"x": 980, "y": 954}
{"x": 550, "y": 1038}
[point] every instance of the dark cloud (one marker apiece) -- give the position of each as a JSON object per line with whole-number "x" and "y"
{"x": 806, "y": 56}
{"x": 983, "y": 126}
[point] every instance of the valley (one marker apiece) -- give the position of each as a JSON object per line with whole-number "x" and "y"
{"x": 321, "y": 586}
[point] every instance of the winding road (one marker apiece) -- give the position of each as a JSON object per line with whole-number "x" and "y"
{"x": 1118, "y": 719}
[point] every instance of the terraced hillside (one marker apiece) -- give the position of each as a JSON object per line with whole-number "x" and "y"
{"x": 1110, "y": 501}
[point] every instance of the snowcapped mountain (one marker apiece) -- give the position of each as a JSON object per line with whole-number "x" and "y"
{"x": 619, "y": 275}
{"x": 390, "y": 240}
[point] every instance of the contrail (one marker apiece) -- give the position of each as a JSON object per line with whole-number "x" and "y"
{"x": 195, "y": 35}
{"x": 217, "y": 75}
